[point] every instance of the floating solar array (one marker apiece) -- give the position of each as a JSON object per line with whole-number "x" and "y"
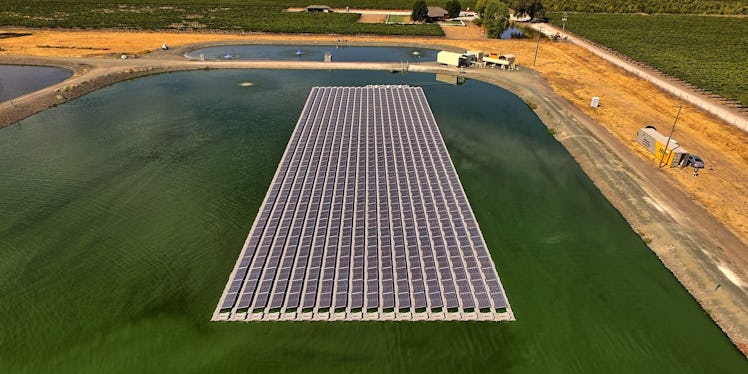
{"x": 365, "y": 219}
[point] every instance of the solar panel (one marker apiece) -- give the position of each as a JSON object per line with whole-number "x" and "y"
{"x": 365, "y": 211}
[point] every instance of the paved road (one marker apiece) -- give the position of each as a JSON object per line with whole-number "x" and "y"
{"x": 721, "y": 111}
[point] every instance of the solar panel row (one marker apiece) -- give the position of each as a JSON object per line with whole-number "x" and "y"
{"x": 365, "y": 216}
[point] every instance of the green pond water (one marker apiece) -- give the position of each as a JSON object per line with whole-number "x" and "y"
{"x": 123, "y": 212}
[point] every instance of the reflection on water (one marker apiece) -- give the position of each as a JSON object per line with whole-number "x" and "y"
{"x": 450, "y": 78}
{"x": 314, "y": 53}
{"x": 17, "y": 80}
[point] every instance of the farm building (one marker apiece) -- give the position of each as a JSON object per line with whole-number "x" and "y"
{"x": 655, "y": 143}
{"x": 436, "y": 14}
{"x": 319, "y": 9}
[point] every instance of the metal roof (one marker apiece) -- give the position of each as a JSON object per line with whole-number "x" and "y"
{"x": 436, "y": 12}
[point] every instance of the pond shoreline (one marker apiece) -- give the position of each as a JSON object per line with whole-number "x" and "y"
{"x": 627, "y": 182}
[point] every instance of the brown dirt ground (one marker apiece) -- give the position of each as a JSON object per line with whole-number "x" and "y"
{"x": 628, "y": 103}
{"x": 372, "y": 18}
{"x": 469, "y": 31}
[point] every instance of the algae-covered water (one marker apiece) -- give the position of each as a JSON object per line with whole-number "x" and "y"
{"x": 123, "y": 213}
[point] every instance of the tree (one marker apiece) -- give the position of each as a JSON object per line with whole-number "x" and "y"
{"x": 480, "y": 6}
{"x": 537, "y": 9}
{"x": 453, "y": 8}
{"x": 532, "y": 8}
{"x": 420, "y": 11}
{"x": 495, "y": 18}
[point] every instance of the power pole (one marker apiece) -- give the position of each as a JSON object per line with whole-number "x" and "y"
{"x": 564, "y": 18}
{"x": 537, "y": 45}
{"x": 665, "y": 151}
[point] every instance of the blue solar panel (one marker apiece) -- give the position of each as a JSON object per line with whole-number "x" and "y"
{"x": 365, "y": 211}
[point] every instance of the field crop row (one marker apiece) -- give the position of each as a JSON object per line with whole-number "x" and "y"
{"x": 598, "y": 6}
{"x": 225, "y": 15}
{"x": 650, "y": 6}
{"x": 709, "y": 52}
{"x": 361, "y": 4}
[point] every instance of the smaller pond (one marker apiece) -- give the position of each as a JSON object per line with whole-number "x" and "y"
{"x": 18, "y": 80}
{"x": 314, "y": 53}
{"x": 513, "y": 33}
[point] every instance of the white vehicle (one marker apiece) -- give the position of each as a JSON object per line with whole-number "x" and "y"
{"x": 452, "y": 59}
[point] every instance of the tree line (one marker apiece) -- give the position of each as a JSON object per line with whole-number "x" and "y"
{"x": 420, "y": 10}
{"x": 493, "y": 14}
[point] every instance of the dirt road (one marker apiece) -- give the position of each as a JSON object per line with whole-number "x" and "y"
{"x": 655, "y": 201}
{"x": 709, "y": 105}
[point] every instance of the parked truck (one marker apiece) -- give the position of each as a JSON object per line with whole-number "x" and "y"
{"x": 452, "y": 59}
{"x": 668, "y": 152}
{"x": 505, "y": 61}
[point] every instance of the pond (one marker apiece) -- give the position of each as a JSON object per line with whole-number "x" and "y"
{"x": 315, "y": 53}
{"x": 17, "y": 80}
{"x": 124, "y": 212}
{"x": 513, "y": 33}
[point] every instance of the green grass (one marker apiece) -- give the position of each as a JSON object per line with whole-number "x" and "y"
{"x": 125, "y": 210}
{"x": 231, "y": 15}
{"x": 396, "y": 18}
{"x": 708, "y": 52}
